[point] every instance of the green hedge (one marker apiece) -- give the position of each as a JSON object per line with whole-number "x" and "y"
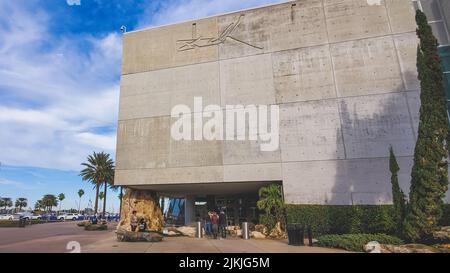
{"x": 11, "y": 224}
{"x": 328, "y": 219}
{"x": 334, "y": 219}
{"x": 356, "y": 242}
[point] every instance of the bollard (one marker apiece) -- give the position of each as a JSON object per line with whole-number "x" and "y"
{"x": 199, "y": 231}
{"x": 245, "y": 231}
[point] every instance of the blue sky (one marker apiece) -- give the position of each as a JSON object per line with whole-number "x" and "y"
{"x": 59, "y": 85}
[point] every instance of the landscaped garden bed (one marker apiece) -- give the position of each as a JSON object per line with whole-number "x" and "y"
{"x": 356, "y": 242}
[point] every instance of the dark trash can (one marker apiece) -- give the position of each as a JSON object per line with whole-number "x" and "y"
{"x": 296, "y": 233}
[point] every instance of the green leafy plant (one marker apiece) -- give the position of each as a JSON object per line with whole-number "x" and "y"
{"x": 80, "y": 194}
{"x": 356, "y": 242}
{"x": 397, "y": 193}
{"x": 429, "y": 176}
{"x": 21, "y": 203}
{"x": 271, "y": 202}
{"x": 49, "y": 201}
{"x": 5, "y": 202}
{"x": 336, "y": 219}
{"x": 99, "y": 170}
{"x": 61, "y": 198}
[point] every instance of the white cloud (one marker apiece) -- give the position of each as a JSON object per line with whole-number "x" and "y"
{"x": 73, "y": 2}
{"x": 15, "y": 184}
{"x": 55, "y": 93}
{"x": 53, "y": 100}
{"x": 107, "y": 142}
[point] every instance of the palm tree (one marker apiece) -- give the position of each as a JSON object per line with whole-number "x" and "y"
{"x": 61, "y": 197}
{"x": 120, "y": 198}
{"x": 6, "y": 202}
{"x": 109, "y": 182}
{"x": 49, "y": 201}
{"x": 39, "y": 205}
{"x": 101, "y": 196}
{"x": 271, "y": 201}
{"x": 80, "y": 194}
{"x": 97, "y": 170}
{"x": 21, "y": 202}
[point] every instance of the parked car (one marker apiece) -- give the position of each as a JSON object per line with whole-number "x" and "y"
{"x": 49, "y": 217}
{"x": 6, "y": 217}
{"x": 29, "y": 216}
{"x": 68, "y": 216}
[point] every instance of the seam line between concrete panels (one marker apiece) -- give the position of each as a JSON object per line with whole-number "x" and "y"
{"x": 267, "y": 163}
{"x": 293, "y": 102}
{"x": 284, "y": 50}
{"x": 395, "y": 47}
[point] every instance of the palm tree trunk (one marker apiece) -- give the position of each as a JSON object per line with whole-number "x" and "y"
{"x": 104, "y": 199}
{"x": 96, "y": 198}
{"x": 120, "y": 206}
{"x": 79, "y": 206}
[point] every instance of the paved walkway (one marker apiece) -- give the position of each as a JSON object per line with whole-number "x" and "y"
{"x": 193, "y": 245}
{"x": 48, "y": 238}
{"x": 54, "y": 237}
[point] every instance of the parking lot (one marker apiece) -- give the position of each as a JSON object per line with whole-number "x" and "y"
{"x": 50, "y": 237}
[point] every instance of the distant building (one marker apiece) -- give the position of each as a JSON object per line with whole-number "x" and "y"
{"x": 343, "y": 74}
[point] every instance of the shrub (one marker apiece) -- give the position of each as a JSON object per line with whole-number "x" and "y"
{"x": 356, "y": 242}
{"x": 9, "y": 223}
{"x": 271, "y": 202}
{"x": 95, "y": 227}
{"x": 335, "y": 219}
{"x": 445, "y": 219}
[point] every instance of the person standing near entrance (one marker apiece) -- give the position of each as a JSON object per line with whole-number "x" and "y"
{"x": 223, "y": 224}
{"x": 134, "y": 221}
{"x": 215, "y": 224}
{"x": 208, "y": 224}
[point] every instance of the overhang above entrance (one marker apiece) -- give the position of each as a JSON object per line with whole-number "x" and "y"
{"x": 205, "y": 188}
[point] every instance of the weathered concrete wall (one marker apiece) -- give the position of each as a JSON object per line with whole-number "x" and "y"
{"x": 446, "y": 11}
{"x": 342, "y": 71}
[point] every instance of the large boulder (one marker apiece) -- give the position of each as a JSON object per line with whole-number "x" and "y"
{"x": 172, "y": 232}
{"x": 146, "y": 205}
{"x": 90, "y": 227}
{"x": 372, "y": 247}
{"x": 375, "y": 247}
{"x": 277, "y": 232}
{"x": 130, "y": 236}
{"x": 83, "y": 223}
{"x": 442, "y": 235}
{"x": 258, "y": 235}
{"x": 187, "y": 230}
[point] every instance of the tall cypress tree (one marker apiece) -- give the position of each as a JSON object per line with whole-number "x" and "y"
{"x": 429, "y": 180}
{"x": 397, "y": 194}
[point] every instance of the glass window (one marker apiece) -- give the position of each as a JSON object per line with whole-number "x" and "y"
{"x": 447, "y": 84}
{"x": 440, "y": 32}
{"x": 444, "y": 52}
{"x": 431, "y": 9}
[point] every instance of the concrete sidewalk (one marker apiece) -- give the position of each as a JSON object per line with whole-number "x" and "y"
{"x": 193, "y": 245}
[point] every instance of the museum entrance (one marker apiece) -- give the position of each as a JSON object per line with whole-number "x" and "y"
{"x": 238, "y": 208}
{"x": 184, "y": 204}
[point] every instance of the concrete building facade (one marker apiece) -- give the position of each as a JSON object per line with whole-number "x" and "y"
{"x": 343, "y": 73}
